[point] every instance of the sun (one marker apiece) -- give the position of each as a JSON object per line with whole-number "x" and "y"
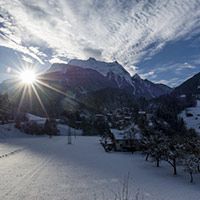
{"x": 28, "y": 77}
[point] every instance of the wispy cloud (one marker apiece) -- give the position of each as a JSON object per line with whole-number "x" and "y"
{"x": 150, "y": 74}
{"x": 57, "y": 60}
{"x": 172, "y": 82}
{"x": 171, "y": 73}
{"x": 127, "y": 31}
{"x": 27, "y": 59}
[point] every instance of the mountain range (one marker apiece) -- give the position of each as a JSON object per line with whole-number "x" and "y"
{"x": 96, "y": 85}
{"x": 91, "y": 75}
{"x": 190, "y": 86}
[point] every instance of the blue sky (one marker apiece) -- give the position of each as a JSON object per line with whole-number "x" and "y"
{"x": 158, "y": 39}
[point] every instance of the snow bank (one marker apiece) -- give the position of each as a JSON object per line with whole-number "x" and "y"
{"x": 64, "y": 129}
{"x": 37, "y": 119}
{"x": 9, "y": 131}
{"x": 191, "y": 117}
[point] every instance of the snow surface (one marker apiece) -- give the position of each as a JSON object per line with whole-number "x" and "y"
{"x": 192, "y": 121}
{"x": 100, "y": 66}
{"x": 35, "y": 118}
{"x": 64, "y": 129}
{"x": 49, "y": 169}
{"x": 9, "y": 131}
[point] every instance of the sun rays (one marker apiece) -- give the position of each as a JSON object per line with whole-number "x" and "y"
{"x": 28, "y": 77}
{"x": 28, "y": 83}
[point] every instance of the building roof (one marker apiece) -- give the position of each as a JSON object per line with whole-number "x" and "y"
{"x": 141, "y": 112}
{"x": 126, "y": 134}
{"x": 118, "y": 134}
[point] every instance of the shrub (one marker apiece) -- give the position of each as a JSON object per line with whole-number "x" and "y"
{"x": 32, "y": 128}
{"x": 50, "y": 127}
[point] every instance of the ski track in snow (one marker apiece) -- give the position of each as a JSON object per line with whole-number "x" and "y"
{"x": 31, "y": 176}
{"x": 50, "y": 169}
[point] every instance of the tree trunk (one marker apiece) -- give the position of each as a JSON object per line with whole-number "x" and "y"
{"x": 198, "y": 168}
{"x": 157, "y": 162}
{"x": 174, "y": 166}
{"x": 191, "y": 177}
{"x": 147, "y": 157}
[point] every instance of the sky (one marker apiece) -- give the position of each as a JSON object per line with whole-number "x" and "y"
{"x": 158, "y": 39}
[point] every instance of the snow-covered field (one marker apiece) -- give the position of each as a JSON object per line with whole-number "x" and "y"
{"x": 49, "y": 169}
{"x": 192, "y": 121}
{"x": 9, "y": 131}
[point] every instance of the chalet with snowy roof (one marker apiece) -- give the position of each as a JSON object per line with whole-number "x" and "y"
{"x": 141, "y": 112}
{"x": 35, "y": 119}
{"x": 182, "y": 96}
{"x": 127, "y": 139}
{"x": 100, "y": 117}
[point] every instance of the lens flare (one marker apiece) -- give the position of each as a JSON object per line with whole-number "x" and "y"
{"x": 28, "y": 77}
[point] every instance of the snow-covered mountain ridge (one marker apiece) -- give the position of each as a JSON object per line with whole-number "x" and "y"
{"x": 115, "y": 73}
{"x": 100, "y": 66}
{"x": 112, "y": 70}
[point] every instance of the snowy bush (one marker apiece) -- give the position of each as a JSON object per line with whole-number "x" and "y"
{"x": 174, "y": 143}
{"x": 191, "y": 166}
{"x": 32, "y": 128}
{"x": 50, "y": 127}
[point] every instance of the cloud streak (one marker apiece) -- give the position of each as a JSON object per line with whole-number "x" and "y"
{"x": 127, "y": 31}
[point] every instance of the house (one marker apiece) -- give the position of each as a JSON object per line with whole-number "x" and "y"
{"x": 127, "y": 139}
{"x": 100, "y": 117}
{"x": 182, "y": 96}
{"x": 141, "y": 112}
